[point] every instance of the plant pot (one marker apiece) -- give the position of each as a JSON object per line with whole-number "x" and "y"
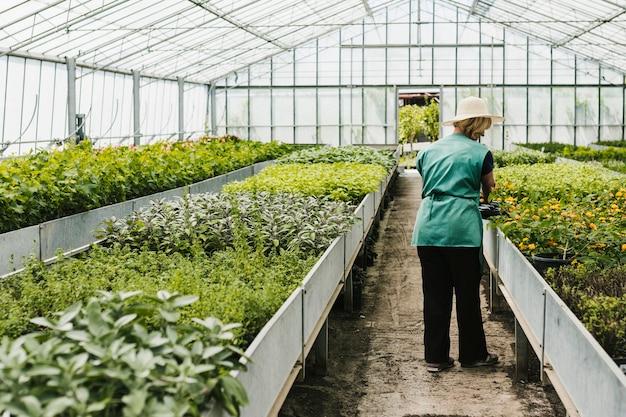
{"x": 543, "y": 261}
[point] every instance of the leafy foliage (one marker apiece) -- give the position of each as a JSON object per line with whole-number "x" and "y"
{"x": 235, "y": 285}
{"x": 51, "y": 184}
{"x": 341, "y": 181}
{"x": 349, "y": 153}
{"x": 414, "y": 120}
{"x": 613, "y": 158}
{"x": 597, "y": 296}
{"x": 520, "y": 156}
{"x": 100, "y": 359}
{"x": 571, "y": 207}
{"x": 210, "y": 222}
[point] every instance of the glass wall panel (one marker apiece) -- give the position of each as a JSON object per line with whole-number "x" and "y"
{"x": 374, "y": 103}
{"x": 563, "y": 68}
{"x": 306, "y": 135}
{"x": 306, "y": 65}
{"x": 329, "y": 135}
{"x": 306, "y": 107}
{"x": 159, "y": 109}
{"x": 282, "y": 111}
{"x": 260, "y": 107}
{"x": 398, "y": 66}
{"x": 374, "y": 135}
{"x": 587, "y": 102}
{"x": 284, "y": 134}
{"x": 513, "y": 135}
{"x": 195, "y": 110}
{"x": 538, "y": 134}
{"x": 588, "y": 72}
{"x": 586, "y": 135}
{"x": 421, "y": 66}
{"x": 468, "y": 65}
{"x": 539, "y": 64}
{"x": 328, "y": 106}
{"x": 15, "y": 92}
{"x": 261, "y": 73}
{"x": 374, "y": 64}
{"x": 539, "y": 106}
{"x": 283, "y": 70}
{"x": 328, "y": 68}
{"x": 237, "y": 111}
{"x": 516, "y": 101}
{"x": 563, "y": 102}
{"x": 444, "y": 66}
{"x": 492, "y": 70}
{"x": 562, "y": 132}
{"x": 611, "y": 133}
{"x": 612, "y": 106}
{"x": 263, "y": 134}
{"x": 221, "y": 105}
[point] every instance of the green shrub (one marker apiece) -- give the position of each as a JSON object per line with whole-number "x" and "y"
{"x": 209, "y": 222}
{"x": 341, "y": 181}
{"x": 51, "y": 184}
{"x": 234, "y": 285}
{"x": 100, "y": 359}
{"x": 521, "y": 156}
{"x": 349, "y": 153}
{"x": 597, "y": 296}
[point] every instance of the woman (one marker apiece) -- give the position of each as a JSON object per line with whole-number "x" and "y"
{"x": 448, "y": 235}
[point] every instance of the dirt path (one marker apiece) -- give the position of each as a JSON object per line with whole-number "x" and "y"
{"x": 375, "y": 365}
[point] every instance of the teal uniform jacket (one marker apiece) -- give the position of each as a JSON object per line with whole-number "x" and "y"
{"x": 451, "y": 179}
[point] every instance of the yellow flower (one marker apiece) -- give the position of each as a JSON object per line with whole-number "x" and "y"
{"x": 531, "y": 246}
{"x": 623, "y": 247}
{"x": 536, "y": 217}
{"x": 592, "y": 226}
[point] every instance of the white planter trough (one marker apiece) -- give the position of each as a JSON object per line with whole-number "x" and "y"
{"x": 585, "y": 377}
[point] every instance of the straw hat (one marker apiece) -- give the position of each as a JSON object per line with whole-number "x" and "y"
{"x": 471, "y": 107}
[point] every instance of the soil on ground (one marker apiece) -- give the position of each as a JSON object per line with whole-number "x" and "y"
{"x": 375, "y": 364}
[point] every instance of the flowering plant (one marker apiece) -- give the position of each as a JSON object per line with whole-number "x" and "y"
{"x": 568, "y": 208}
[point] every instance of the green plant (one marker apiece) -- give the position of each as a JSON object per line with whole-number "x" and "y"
{"x": 521, "y": 156}
{"x": 209, "y": 222}
{"x": 340, "y": 181}
{"x": 597, "y": 296}
{"x": 348, "y": 153}
{"x": 51, "y": 184}
{"x": 236, "y": 285}
{"x": 570, "y": 208}
{"x": 101, "y": 360}
{"x": 414, "y": 120}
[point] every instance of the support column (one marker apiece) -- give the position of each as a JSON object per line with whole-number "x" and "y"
{"x": 71, "y": 98}
{"x": 320, "y": 348}
{"x": 521, "y": 353}
{"x": 181, "y": 108}
{"x": 136, "y": 109}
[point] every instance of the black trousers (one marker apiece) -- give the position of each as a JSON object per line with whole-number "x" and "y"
{"x": 447, "y": 271}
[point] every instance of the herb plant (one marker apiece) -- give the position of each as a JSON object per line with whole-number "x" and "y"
{"x": 100, "y": 359}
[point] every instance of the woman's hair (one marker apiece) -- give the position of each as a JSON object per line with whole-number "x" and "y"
{"x": 474, "y": 128}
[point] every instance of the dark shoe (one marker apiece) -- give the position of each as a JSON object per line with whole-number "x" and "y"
{"x": 491, "y": 360}
{"x": 436, "y": 367}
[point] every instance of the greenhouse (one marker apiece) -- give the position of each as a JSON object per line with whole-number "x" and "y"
{"x": 206, "y": 207}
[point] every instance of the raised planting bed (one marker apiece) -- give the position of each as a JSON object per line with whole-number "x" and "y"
{"x": 182, "y": 259}
{"x": 72, "y": 234}
{"x": 586, "y": 378}
{"x": 576, "y": 211}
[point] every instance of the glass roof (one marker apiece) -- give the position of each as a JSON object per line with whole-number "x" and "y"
{"x": 197, "y": 39}
{"x": 203, "y": 40}
{"x": 595, "y": 29}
